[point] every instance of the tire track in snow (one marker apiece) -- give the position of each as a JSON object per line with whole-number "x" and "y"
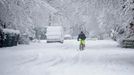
{"x": 39, "y": 60}
{"x": 30, "y": 59}
{"x": 37, "y": 65}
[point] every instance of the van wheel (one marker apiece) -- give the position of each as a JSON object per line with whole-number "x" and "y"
{"x": 48, "y": 42}
{"x": 61, "y": 42}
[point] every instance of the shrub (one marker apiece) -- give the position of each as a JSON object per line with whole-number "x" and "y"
{"x": 9, "y": 37}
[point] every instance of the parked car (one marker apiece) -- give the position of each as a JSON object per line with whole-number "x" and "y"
{"x": 55, "y": 34}
{"x": 67, "y": 37}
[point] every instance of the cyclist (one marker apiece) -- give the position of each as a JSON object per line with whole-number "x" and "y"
{"x": 81, "y": 38}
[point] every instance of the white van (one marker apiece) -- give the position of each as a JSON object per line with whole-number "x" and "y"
{"x": 55, "y": 34}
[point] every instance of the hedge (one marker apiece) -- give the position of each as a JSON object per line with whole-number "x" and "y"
{"x": 9, "y": 37}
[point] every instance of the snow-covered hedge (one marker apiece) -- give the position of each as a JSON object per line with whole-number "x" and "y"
{"x": 126, "y": 36}
{"x": 9, "y": 37}
{"x": 24, "y": 39}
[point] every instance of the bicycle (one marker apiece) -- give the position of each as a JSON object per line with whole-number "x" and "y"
{"x": 82, "y": 44}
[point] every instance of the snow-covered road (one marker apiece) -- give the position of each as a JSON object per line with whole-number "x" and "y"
{"x": 101, "y": 57}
